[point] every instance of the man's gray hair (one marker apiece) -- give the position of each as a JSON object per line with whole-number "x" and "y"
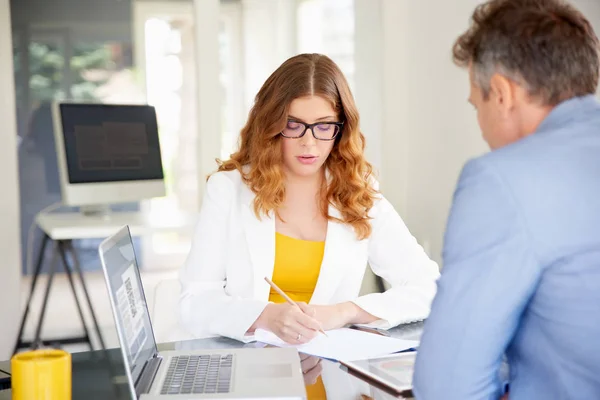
{"x": 546, "y": 46}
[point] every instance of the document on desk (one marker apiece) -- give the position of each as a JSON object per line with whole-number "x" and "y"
{"x": 343, "y": 344}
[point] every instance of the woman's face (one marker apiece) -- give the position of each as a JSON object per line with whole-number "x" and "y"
{"x": 303, "y": 157}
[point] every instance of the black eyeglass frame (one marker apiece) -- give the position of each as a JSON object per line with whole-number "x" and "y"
{"x": 340, "y": 126}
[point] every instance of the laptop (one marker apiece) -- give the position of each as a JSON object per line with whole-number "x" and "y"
{"x": 217, "y": 374}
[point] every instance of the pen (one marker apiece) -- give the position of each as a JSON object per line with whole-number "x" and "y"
{"x": 286, "y": 297}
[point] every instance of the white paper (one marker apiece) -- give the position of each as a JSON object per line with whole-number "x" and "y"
{"x": 343, "y": 344}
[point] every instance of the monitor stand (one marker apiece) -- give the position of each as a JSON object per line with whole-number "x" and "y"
{"x": 100, "y": 210}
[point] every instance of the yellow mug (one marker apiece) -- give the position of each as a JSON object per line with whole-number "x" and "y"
{"x": 41, "y": 375}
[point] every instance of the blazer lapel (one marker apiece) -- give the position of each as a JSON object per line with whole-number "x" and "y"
{"x": 260, "y": 236}
{"x": 334, "y": 259}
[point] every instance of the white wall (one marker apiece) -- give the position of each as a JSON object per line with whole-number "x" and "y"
{"x": 429, "y": 129}
{"x": 368, "y": 59}
{"x": 10, "y": 267}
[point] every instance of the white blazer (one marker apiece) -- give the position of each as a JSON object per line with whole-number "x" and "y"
{"x": 223, "y": 287}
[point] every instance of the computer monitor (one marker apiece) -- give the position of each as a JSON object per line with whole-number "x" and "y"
{"x": 107, "y": 154}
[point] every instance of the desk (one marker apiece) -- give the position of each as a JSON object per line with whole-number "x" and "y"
{"x": 69, "y": 226}
{"x": 100, "y": 375}
{"x": 61, "y": 229}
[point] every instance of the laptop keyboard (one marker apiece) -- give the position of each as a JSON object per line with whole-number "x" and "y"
{"x": 199, "y": 374}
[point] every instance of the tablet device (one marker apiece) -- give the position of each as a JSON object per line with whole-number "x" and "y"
{"x": 392, "y": 373}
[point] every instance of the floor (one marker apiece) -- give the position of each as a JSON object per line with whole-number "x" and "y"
{"x": 62, "y": 319}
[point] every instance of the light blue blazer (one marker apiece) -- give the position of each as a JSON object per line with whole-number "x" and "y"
{"x": 521, "y": 271}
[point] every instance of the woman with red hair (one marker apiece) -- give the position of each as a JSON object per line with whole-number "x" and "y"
{"x": 297, "y": 203}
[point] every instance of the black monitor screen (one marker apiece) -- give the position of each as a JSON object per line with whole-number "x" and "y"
{"x": 111, "y": 143}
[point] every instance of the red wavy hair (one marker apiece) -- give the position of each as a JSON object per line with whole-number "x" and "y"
{"x": 259, "y": 158}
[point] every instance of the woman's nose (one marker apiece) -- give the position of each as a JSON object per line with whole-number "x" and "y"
{"x": 308, "y": 139}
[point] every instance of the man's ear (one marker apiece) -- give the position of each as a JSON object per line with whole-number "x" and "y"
{"x": 502, "y": 91}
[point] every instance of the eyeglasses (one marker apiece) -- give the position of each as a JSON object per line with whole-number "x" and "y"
{"x": 320, "y": 130}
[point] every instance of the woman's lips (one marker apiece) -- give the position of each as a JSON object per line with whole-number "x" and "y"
{"x": 307, "y": 159}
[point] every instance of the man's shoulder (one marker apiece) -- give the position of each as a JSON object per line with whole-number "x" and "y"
{"x": 515, "y": 157}
{"x": 504, "y": 169}
{"x": 531, "y": 155}
{"x": 519, "y": 152}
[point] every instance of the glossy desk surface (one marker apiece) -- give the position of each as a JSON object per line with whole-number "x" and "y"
{"x": 100, "y": 374}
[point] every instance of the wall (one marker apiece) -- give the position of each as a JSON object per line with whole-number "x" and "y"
{"x": 429, "y": 128}
{"x": 591, "y": 9}
{"x": 9, "y": 203}
{"x": 368, "y": 59}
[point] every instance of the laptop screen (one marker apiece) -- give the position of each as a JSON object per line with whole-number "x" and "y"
{"x": 129, "y": 302}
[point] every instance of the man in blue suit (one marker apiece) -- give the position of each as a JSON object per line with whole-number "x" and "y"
{"x": 521, "y": 275}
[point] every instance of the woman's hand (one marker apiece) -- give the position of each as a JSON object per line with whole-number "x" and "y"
{"x": 311, "y": 368}
{"x": 330, "y": 317}
{"x": 337, "y": 315}
{"x": 288, "y": 322}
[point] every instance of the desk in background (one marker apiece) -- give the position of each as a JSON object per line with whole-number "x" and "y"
{"x": 59, "y": 230}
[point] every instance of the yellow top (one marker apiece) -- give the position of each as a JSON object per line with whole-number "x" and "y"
{"x": 296, "y": 271}
{"x": 297, "y": 267}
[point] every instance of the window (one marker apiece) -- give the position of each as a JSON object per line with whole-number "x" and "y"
{"x": 55, "y": 64}
{"x": 327, "y": 27}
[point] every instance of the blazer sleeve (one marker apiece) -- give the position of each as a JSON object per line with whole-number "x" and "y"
{"x": 206, "y": 309}
{"x": 395, "y": 256}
